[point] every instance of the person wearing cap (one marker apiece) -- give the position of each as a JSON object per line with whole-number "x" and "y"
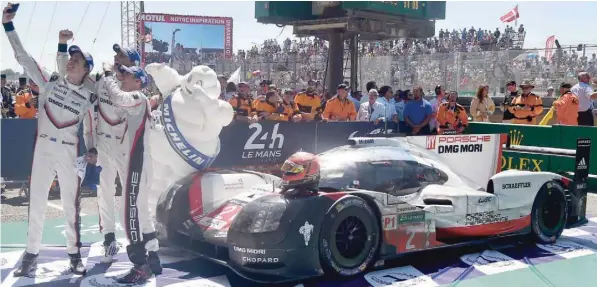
{"x": 242, "y": 104}
{"x": 550, "y": 91}
{"x": 26, "y": 102}
{"x": 308, "y": 103}
{"x": 371, "y": 111}
{"x": 139, "y": 229}
{"x": 274, "y": 108}
{"x": 567, "y": 106}
{"x": 110, "y": 140}
{"x": 585, "y": 95}
{"x": 67, "y": 103}
{"x": 340, "y": 108}
{"x": 527, "y": 106}
{"x": 511, "y": 94}
{"x": 451, "y": 116}
{"x": 291, "y": 110}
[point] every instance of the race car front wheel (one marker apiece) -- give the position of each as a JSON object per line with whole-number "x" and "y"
{"x": 349, "y": 237}
{"x": 549, "y": 213}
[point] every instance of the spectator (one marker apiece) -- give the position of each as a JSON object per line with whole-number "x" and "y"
{"x": 371, "y": 111}
{"x": 440, "y": 93}
{"x": 451, "y": 116}
{"x": 417, "y": 114}
{"x": 274, "y": 109}
{"x": 7, "y": 100}
{"x": 26, "y": 102}
{"x": 340, "y": 108}
{"x": 229, "y": 93}
{"x": 291, "y": 110}
{"x": 585, "y": 94}
{"x": 242, "y": 104}
{"x": 511, "y": 94}
{"x": 222, "y": 79}
{"x": 567, "y": 106}
{"x": 386, "y": 98}
{"x": 482, "y": 105}
{"x": 526, "y": 106}
{"x": 401, "y": 101}
{"x": 308, "y": 104}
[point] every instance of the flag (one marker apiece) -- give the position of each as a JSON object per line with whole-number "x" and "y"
{"x": 510, "y": 16}
{"x": 549, "y": 47}
{"x": 235, "y": 77}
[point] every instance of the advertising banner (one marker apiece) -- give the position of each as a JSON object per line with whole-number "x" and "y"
{"x": 184, "y": 41}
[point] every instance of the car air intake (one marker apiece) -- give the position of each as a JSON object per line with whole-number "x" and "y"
{"x": 437, "y": 201}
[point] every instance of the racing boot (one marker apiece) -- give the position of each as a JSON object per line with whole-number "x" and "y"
{"x": 76, "y": 264}
{"x": 154, "y": 263}
{"x": 138, "y": 274}
{"x": 28, "y": 265}
{"x": 111, "y": 248}
{"x": 140, "y": 271}
{"x": 152, "y": 246}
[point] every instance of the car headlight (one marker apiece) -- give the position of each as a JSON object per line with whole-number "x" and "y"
{"x": 259, "y": 217}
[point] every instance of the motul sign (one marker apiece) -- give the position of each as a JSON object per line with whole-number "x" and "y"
{"x": 152, "y": 18}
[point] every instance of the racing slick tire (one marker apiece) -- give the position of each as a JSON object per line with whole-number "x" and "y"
{"x": 549, "y": 213}
{"x": 349, "y": 238}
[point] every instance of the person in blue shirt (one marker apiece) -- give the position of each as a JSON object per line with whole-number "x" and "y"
{"x": 417, "y": 114}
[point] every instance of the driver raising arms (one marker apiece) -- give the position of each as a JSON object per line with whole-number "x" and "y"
{"x": 301, "y": 173}
{"x": 63, "y": 104}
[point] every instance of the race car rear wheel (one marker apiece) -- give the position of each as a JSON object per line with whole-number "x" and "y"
{"x": 349, "y": 237}
{"x": 549, "y": 213}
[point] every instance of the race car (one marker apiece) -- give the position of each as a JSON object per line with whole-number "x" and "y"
{"x": 378, "y": 198}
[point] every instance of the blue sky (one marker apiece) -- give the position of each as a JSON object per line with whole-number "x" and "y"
{"x": 190, "y": 35}
{"x": 572, "y": 23}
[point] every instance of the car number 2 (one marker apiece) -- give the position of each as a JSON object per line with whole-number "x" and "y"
{"x": 411, "y": 235}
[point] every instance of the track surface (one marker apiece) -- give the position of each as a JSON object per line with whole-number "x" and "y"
{"x": 563, "y": 264}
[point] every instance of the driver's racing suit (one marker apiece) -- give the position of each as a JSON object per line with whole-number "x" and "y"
{"x": 62, "y": 107}
{"x": 138, "y": 224}
{"x": 113, "y": 149}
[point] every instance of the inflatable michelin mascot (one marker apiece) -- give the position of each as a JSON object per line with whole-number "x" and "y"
{"x": 187, "y": 125}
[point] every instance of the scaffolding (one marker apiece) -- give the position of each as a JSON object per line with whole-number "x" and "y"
{"x": 129, "y": 35}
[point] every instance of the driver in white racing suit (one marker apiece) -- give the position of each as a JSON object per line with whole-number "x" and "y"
{"x": 139, "y": 228}
{"x": 113, "y": 149}
{"x": 63, "y": 104}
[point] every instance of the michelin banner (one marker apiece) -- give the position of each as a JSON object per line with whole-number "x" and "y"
{"x": 242, "y": 144}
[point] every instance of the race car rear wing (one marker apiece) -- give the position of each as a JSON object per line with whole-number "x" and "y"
{"x": 578, "y": 187}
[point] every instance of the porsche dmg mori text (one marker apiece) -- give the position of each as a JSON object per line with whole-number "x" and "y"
{"x": 460, "y": 144}
{"x": 516, "y": 185}
{"x": 62, "y": 105}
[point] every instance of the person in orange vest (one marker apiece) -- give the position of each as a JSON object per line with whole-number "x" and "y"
{"x": 451, "y": 116}
{"x": 26, "y": 101}
{"x": 242, "y": 104}
{"x": 308, "y": 103}
{"x": 526, "y": 107}
{"x": 567, "y": 106}
{"x": 275, "y": 109}
{"x": 340, "y": 108}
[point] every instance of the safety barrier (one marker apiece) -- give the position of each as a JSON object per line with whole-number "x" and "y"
{"x": 242, "y": 144}
{"x": 556, "y": 136}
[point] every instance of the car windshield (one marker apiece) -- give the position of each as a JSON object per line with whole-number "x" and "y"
{"x": 346, "y": 168}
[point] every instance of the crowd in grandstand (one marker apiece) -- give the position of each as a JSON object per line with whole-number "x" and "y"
{"x": 459, "y": 60}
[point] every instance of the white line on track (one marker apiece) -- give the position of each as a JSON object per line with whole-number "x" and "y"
{"x": 56, "y": 206}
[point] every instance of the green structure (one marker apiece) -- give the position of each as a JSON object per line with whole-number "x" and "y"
{"x": 563, "y": 137}
{"x": 339, "y": 21}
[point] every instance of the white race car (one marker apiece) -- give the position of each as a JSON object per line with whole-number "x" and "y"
{"x": 389, "y": 196}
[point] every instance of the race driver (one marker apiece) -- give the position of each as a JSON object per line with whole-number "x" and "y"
{"x": 63, "y": 104}
{"x": 111, "y": 144}
{"x": 143, "y": 244}
{"x": 301, "y": 174}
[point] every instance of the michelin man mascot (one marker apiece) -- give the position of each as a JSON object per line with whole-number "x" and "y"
{"x": 187, "y": 125}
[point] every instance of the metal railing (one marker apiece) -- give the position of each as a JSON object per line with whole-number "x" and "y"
{"x": 460, "y": 71}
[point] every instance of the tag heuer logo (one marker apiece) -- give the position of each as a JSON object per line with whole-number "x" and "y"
{"x": 582, "y": 164}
